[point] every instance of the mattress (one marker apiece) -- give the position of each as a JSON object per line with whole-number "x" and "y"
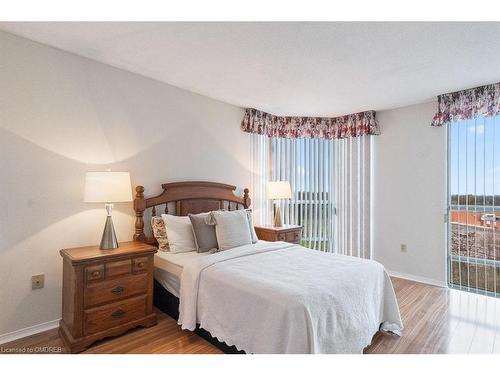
{"x": 169, "y": 266}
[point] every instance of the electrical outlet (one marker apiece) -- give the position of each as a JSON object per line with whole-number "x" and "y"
{"x": 37, "y": 281}
{"x": 403, "y": 248}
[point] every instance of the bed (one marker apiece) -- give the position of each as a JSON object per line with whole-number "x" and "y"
{"x": 266, "y": 297}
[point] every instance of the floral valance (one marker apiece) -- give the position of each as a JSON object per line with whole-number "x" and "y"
{"x": 353, "y": 125}
{"x": 480, "y": 101}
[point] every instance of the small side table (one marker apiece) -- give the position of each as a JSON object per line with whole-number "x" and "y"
{"x": 105, "y": 292}
{"x": 287, "y": 233}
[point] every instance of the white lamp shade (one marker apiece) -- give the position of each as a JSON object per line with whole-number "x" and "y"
{"x": 279, "y": 190}
{"x": 107, "y": 187}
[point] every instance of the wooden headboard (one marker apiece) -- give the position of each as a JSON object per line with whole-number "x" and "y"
{"x": 183, "y": 198}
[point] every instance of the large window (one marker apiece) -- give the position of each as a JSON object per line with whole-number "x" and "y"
{"x": 330, "y": 181}
{"x": 474, "y": 205}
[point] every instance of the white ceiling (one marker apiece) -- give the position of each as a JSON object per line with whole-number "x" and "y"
{"x": 319, "y": 69}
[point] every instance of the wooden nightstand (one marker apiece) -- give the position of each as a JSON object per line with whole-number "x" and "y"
{"x": 288, "y": 233}
{"x": 105, "y": 292}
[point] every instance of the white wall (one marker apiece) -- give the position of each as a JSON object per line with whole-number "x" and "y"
{"x": 61, "y": 115}
{"x": 409, "y": 193}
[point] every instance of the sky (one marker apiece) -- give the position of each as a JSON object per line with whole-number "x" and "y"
{"x": 475, "y": 156}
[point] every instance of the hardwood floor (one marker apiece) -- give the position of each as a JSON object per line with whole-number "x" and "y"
{"x": 441, "y": 320}
{"x": 437, "y": 320}
{"x": 165, "y": 337}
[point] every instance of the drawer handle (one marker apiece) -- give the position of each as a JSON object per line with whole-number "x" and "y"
{"x": 117, "y": 314}
{"x": 140, "y": 265}
{"x": 96, "y": 273}
{"x": 118, "y": 290}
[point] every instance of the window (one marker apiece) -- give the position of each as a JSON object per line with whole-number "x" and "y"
{"x": 308, "y": 164}
{"x": 474, "y": 205}
{"x": 330, "y": 181}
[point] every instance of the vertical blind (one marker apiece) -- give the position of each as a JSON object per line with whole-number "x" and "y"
{"x": 307, "y": 163}
{"x": 353, "y": 171}
{"x": 261, "y": 157}
{"x": 330, "y": 181}
{"x": 474, "y": 205}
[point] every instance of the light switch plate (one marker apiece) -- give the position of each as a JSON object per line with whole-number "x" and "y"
{"x": 403, "y": 248}
{"x": 37, "y": 281}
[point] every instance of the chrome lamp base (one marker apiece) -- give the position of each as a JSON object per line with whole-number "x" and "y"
{"x": 108, "y": 240}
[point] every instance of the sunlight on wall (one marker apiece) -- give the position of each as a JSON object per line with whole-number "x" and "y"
{"x": 66, "y": 111}
{"x": 96, "y": 114}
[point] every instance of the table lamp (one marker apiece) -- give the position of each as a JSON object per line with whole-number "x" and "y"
{"x": 108, "y": 188}
{"x": 278, "y": 190}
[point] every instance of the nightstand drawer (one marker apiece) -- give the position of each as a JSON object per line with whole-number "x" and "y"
{"x": 140, "y": 264}
{"x": 114, "y": 290}
{"x": 94, "y": 273}
{"x": 118, "y": 268}
{"x": 293, "y": 236}
{"x": 282, "y": 237}
{"x": 109, "y": 316}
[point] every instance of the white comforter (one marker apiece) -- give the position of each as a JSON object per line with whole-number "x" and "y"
{"x": 274, "y": 297}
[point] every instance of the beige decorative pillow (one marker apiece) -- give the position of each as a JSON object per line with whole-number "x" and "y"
{"x": 180, "y": 233}
{"x": 160, "y": 233}
{"x": 231, "y": 227}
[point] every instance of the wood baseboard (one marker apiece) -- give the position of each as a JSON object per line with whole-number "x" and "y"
{"x": 418, "y": 279}
{"x": 28, "y": 331}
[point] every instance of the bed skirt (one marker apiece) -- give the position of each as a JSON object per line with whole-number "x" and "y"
{"x": 169, "y": 304}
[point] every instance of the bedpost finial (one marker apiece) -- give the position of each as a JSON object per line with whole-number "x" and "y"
{"x": 139, "y": 207}
{"x": 246, "y": 198}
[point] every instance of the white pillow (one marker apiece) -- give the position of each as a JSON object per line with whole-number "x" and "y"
{"x": 231, "y": 228}
{"x": 180, "y": 233}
